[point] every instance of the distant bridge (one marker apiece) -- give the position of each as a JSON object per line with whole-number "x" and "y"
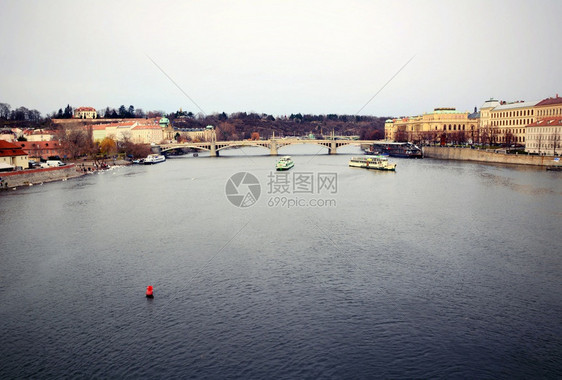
{"x": 214, "y": 147}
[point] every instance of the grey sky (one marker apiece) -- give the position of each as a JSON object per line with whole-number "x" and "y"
{"x": 279, "y": 57}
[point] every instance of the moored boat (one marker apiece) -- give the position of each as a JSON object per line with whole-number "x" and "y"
{"x": 285, "y": 163}
{"x": 372, "y": 162}
{"x": 154, "y": 159}
{"x": 395, "y": 149}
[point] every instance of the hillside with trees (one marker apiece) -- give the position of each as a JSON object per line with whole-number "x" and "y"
{"x": 234, "y": 126}
{"x": 241, "y": 125}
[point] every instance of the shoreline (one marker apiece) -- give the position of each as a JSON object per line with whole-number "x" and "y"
{"x": 30, "y": 177}
{"x": 491, "y": 157}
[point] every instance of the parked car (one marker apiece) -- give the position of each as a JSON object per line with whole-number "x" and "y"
{"x": 33, "y": 164}
{"x": 52, "y": 163}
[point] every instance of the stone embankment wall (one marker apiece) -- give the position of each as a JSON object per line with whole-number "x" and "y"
{"x": 35, "y": 176}
{"x": 481, "y": 155}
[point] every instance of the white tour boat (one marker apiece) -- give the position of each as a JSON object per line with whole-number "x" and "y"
{"x": 372, "y": 162}
{"x": 154, "y": 159}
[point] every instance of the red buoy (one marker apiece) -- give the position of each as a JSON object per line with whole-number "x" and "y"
{"x": 149, "y": 292}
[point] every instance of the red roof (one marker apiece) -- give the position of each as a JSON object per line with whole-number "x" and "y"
{"x": 10, "y": 150}
{"x": 549, "y": 101}
{"x": 38, "y": 144}
{"x": 547, "y": 122}
{"x": 84, "y": 109}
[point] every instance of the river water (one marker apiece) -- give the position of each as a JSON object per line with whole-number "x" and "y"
{"x": 442, "y": 269}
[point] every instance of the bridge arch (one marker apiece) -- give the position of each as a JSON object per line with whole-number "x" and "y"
{"x": 171, "y": 148}
{"x": 241, "y": 145}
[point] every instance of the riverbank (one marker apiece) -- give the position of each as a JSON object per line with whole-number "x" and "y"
{"x": 91, "y": 165}
{"x": 30, "y": 177}
{"x": 480, "y": 155}
{"x": 13, "y": 180}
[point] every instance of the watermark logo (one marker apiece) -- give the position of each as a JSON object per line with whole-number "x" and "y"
{"x": 285, "y": 189}
{"x": 243, "y": 189}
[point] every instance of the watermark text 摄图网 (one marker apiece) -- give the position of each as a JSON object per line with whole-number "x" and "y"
{"x": 302, "y": 183}
{"x": 286, "y": 189}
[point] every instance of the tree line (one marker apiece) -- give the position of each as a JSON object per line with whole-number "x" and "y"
{"x": 241, "y": 125}
{"x": 19, "y": 114}
{"x": 78, "y": 142}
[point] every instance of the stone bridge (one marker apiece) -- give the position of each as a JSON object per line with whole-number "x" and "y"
{"x": 214, "y": 147}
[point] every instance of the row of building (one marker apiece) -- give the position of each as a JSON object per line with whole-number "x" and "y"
{"x": 146, "y": 131}
{"x": 536, "y": 126}
{"x": 42, "y": 143}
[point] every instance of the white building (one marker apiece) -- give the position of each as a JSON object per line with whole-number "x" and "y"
{"x": 85, "y": 113}
{"x": 544, "y": 137}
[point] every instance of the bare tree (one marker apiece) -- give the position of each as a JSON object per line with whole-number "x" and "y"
{"x": 556, "y": 140}
{"x": 4, "y": 110}
{"x": 508, "y": 138}
{"x": 139, "y": 113}
{"x": 75, "y": 141}
{"x": 401, "y": 136}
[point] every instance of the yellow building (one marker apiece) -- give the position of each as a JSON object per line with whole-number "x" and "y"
{"x": 498, "y": 122}
{"x": 137, "y": 131}
{"x": 442, "y": 125}
{"x": 550, "y": 107}
{"x": 12, "y": 157}
{"x": 485, "y": 124}
{"x": 506, "y": 122}
{"x": 196, "y": 134}
{"x": 117, "y": 131}
{"x": 146, "y": 134}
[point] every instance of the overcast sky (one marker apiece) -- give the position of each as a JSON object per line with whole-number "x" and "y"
{"x": 279, "y": 57}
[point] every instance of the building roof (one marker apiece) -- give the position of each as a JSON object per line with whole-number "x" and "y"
{"x": 547, "y": 122}
{"x": 491, "y": 103}
{"x": 515, "y": 105}
{"x": 79, "y": 109}
{"x": 444, "y": 110}
{"x": 124, "y": 124}
{"x": 147, "y": 126}
{"x": 474, "y": 115}
{"x": 26, "y": 145}
{"x": 8, "y": 149}
{"x": 550, "y": 101}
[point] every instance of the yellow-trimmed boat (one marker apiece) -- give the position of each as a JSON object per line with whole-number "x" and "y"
{"x": 372, "y": 162}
